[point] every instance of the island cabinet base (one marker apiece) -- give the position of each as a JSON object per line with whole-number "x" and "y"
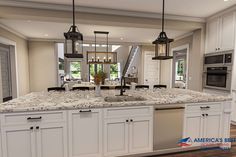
{"x": 41, "y": 134}
{"x": 104, "y": 132}
{"x": 128, "y": 130}
{"x": 207, "y": 121}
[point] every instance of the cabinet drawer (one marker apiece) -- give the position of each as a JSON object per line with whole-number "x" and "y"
{"x": 203, "y": 107}
{"x": 29, "y": 118}
{"x": 128, "y": 111}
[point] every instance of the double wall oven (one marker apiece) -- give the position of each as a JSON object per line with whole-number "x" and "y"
{"x": 218, "y": 71}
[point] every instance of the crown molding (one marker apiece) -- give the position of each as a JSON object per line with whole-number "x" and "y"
{"x": 184, "y": 36}
{"x": 220, "y": 13}
{"x": 106, "y": 11}
{"x": 13, "y": 31}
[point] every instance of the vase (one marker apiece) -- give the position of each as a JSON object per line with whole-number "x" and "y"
{"x": 98, "y": 91}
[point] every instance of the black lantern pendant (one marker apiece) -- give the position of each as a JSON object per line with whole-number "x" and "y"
{"x": 73, "y": 40}
{"x": 162, "y": 43}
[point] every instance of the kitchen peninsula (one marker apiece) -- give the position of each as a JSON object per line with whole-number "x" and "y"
{"x": 78, "y": 124}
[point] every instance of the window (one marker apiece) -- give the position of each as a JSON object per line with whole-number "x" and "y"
{"x": 180, "y": 70}
{"x": 114, "y": 71}
{"x": 92, "y": 69}
{"x": 75, "y": 70}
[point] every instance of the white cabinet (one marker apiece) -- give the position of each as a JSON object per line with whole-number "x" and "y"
{"x": 212, "y": 35}
{"x": 29, "y": 136}
{"x": 203, "y": 121}
{"x": 51, "y": 140}
{"x": 18, "y": 141}
{"x": 227, "y": 36}
{"x": 85, "y": 133}
{"x": 116, "y": 137}
{"x": 220, "y": 34}
{"x": 193, "y": 126}
{"x": 212, "y": 125}
{"x": 131, "y": 133}
{"x": 140, "y": 134}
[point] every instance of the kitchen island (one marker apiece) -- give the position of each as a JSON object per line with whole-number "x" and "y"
{"x": 78, "y": 124}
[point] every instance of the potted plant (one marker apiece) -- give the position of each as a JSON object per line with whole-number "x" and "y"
{"x": 98, "y": 79}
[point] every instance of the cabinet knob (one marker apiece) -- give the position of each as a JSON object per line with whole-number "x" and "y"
{"x": 206, "y": 114}
{"x": 203, "y": 115}
{"x": 37, "y": 127}
{"x": 131, "y": 120}
{"x": 31, "y": 128}
{"x": 127, "y": 120}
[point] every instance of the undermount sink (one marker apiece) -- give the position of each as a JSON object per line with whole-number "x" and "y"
{"x": 124, "y": 98}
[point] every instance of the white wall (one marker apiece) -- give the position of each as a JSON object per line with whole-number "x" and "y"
{"x": 42, "y": 63}
{"x": 195, "y": 67}
{"x": 21, "y": 58}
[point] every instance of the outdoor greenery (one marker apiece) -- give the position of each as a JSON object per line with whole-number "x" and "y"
{"x": 114, "y": 71}
{"x": 75, "y": 70}
{"x": 180, "y": 68}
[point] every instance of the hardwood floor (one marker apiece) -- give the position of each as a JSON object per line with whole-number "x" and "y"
{"x": 211, "y": 152}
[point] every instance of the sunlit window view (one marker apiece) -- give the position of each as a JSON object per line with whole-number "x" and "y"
{"x": 114, "y": 71}
{"x": 75, "y": 70}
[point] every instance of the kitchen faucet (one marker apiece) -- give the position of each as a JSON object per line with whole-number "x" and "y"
{"x": 122, "y": 90}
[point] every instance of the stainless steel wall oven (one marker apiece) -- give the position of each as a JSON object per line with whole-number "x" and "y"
{"x": 217, "y": 71}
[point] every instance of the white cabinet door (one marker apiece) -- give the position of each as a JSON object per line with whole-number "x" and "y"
{"x": 51, "y": 140}
{"x": 212, "y": 35}
{"x": 227, "y": 31}
{"x": 85, "y": 133}
{"x": 141, "y": 134}
{"x": 18, "y": 141}
{"x": 193, "y": 126}
{"x": 116, "y": 137}
{"x": 212, "y": 125}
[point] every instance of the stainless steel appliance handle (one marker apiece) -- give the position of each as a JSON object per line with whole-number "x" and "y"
{"x": 172, "y": 108}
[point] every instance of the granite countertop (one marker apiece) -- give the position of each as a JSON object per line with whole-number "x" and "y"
{"x": 44, "y": 101}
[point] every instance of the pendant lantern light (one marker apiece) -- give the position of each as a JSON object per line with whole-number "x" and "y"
{"x": 73, "y": 40}
{"x": 162, "y": 43}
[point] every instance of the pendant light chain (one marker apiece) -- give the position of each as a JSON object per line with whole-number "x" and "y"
{"x": 163, "y": 15}
{"x": 73, "y": 12}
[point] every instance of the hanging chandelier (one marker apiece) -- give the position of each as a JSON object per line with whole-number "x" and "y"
{"x": 162, "y": 43}
{"x": 101, "y": 57}
{"x": 73, "y": 40}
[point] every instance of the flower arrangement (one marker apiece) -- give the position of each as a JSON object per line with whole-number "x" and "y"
{"x": 100, "y": 77}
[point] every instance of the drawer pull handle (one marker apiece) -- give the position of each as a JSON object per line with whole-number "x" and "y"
{"x": 207, "y": 107}
{"x": 85, "y": 111}
{"x": 34, "y": 118}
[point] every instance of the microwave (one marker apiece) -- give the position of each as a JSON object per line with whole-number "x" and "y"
{"x": 223, "y": 58}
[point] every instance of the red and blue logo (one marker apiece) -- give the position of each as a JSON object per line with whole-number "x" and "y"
{"x": 185, "y": 142}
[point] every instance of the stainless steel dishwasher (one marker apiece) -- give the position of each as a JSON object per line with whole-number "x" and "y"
{"x": 168, "y": 126}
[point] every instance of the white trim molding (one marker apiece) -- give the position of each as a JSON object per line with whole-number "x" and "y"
{"x": 48, "y": 6}
{"x": 182, "y": 47}
{"x": 12, "y": 43}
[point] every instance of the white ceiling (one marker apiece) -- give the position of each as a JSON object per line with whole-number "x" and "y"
{"x": 192, "y": 8}
{"x": 52, "y": 30}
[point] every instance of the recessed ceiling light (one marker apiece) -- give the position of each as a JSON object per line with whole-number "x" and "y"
{"x": 28, "y": 20}
{"x": 226, "y": 0}
{"x": 46, "y": 35}
{"x": 121, "y": 38}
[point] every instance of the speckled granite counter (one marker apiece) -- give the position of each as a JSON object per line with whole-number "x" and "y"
{"x": 43, "y": 101}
